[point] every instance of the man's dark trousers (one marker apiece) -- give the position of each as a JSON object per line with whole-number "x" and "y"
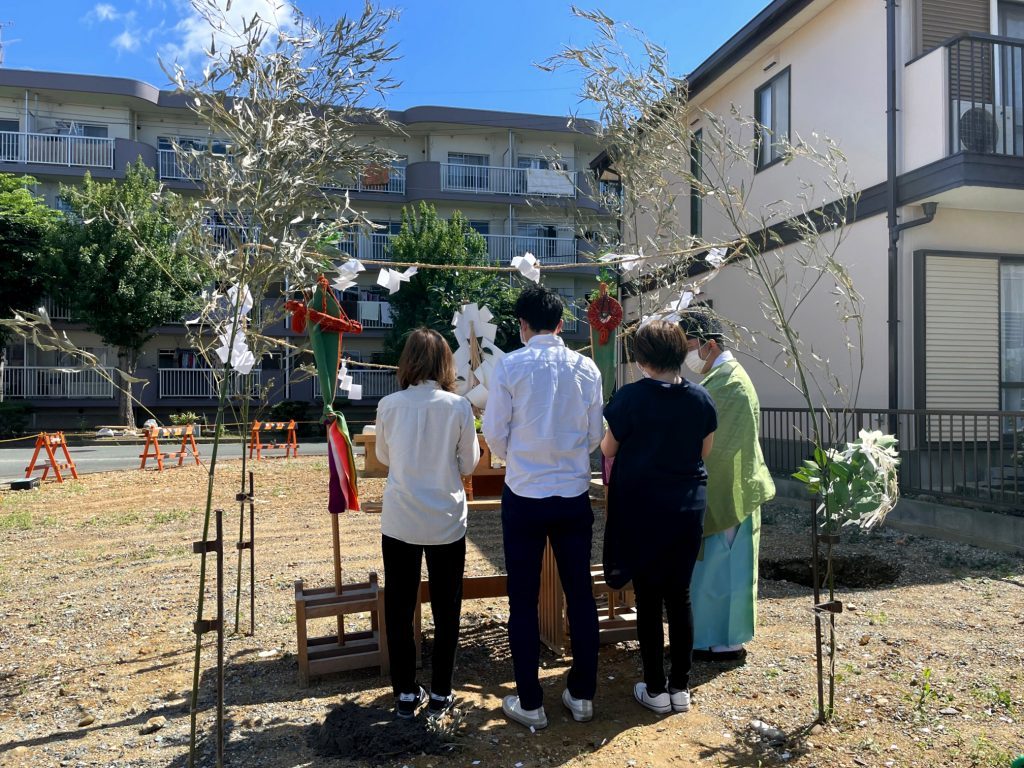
{"x": 527, "y": 524}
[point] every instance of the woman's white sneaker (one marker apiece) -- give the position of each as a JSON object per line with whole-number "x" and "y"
{"x": 531, "y": 718}
{"x": 582, "y": 709}
{"x": 661, "y": 703}
{"x": 680, "y": 700}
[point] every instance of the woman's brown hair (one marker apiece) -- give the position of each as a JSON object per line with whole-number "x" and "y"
{"x": 660, "y": 345}
{"x": 426, "y": 357}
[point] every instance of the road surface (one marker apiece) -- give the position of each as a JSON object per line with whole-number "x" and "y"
{"x": 104, "y": 458}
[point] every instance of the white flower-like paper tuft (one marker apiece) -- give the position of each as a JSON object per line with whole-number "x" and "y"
{"x": 392, "y": 279}
{"x": 716, "y": 257}
{"x": 347, "y": 274}
{"x": 237, "y": 353}
{"x": 355, "y": 391}
{"x": 528, "y": 266}
{"x": 473, "y": 328}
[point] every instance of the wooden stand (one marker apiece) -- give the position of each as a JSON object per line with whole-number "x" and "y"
{"x": 616, "y": 608}
{"x": 290, "y": 444}
{"x": 342, "y": 650}
{"x": 49, "y": 442}
{"x": 153, "y": 435}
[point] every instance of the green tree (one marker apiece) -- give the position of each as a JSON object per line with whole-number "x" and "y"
{"x": 432, "y": 296}
{"x": 26, "y": 229}
{"x": 124, "y": 282}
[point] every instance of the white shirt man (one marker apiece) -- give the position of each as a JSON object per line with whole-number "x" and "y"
{"x": 544, "y": 418}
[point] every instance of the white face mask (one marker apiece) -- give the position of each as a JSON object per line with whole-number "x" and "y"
{"x": 643, "y": 372}
{"x": 694, "y": 362}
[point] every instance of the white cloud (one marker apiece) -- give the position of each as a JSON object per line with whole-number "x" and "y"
{"x": 192, "y": 34}
{"x": 103, "y": 12}
{"x": 127, "y": 41}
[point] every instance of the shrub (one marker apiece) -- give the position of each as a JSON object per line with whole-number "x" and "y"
{"x": 185, "y": 417}
{"x": 14, "y": 419}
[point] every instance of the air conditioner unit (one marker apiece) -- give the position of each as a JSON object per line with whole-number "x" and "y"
{"x": 979, "y": 127}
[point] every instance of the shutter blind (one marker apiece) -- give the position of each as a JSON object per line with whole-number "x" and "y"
{"x": 939, "y": 20}
{"x": 961, "y": 316}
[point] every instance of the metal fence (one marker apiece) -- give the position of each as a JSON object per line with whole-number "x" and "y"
{"x": 971, "y": 456}
{"x": 202, "y": 383}
{"x": 495, "y": 180}
{"x": 986, "y": 93}
{"x": 56, "y": 149}
{"x": 57, "y": 383}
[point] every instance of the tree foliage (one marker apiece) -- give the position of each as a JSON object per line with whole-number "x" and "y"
{"x": 432, "y": 296}
{"x": 122, "y": 282}
{"x": 26, "y": 230}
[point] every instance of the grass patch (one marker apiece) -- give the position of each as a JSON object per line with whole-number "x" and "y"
{"x": 171, "y": 516}
{"x": 23, "y": 520}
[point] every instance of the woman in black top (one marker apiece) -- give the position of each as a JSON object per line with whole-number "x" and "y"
{"x": 659, "y": 431}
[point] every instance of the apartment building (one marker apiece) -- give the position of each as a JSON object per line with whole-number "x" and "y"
{"x": 945, "y": 304}
{"x": 515, "y": 177}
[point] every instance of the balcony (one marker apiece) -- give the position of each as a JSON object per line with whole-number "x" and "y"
{"x": 548, "y": 250}
{"x": 57, "y": 309}
{"x": 56, "y": 149}
{"x": 374, "y": 314}
{"x": 495, "y": 180}
{"x": 375, "y": 384}
{"x": 966, "y": 96}
{"x": 375, "y": 246}
{"x": 201, "y": 384}
{"x": 36, "y": 382}
{"x": 175, "y": 167}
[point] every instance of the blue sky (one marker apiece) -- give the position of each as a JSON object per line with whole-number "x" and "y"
{"x": 470, "y": 53}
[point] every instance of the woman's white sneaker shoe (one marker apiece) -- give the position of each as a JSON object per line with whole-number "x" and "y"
{"x": 680, "y": 700}
{"x": 582, "y": 709}
{"x": 662, "y": 703}
{"x": 531, "y": 718}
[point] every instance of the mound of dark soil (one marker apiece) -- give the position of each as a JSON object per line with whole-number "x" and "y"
{"x": 373, "y": 735}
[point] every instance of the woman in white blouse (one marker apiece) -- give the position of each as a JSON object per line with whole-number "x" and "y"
{"x": 427, "y": 438}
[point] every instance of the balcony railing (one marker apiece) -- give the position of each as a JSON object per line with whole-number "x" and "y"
{"x": 201, "y": 383}
{"x": 231, "y": 236}
{"x": 375, "y": 246}
{"x": 548, "y": 250}
{"x": 986, "y": 95}
{"x": 57, "y": 310}
{"x": 494, "y": 180}
{"x": 375, "y": 384}
{"x": 56, "y": 149}
{"x": 173, "y": 166}
{"x": 972, "y": 456}
{"x": 52, "y": 382}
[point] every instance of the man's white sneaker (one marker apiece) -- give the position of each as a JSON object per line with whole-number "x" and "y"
{"x": 531, "y": 718}
{"x": 662, "y": 703}
{"x": 680, "y": 700}
{"x": 582, "y": 709}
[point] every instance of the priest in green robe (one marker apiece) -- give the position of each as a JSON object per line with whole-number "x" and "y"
{"x": 724, "y": 586}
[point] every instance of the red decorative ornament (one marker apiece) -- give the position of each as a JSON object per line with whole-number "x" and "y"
{"x": 604, "y": 314}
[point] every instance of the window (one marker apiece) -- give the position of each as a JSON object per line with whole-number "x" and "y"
{"x": 9, "y": 126}
{"x": 9, "y": 138}
{"x": 771, "y": 111}
{"x": 696, "y": 202}
{"x": 1011, "y": 324}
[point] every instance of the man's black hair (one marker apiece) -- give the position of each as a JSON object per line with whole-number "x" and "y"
{"x": 698, "y": 323}
{"x": 540, "y": 307}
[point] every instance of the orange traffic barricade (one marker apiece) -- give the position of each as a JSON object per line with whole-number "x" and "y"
{"x": 290, "y": 444}
{"x": 152, "y": 449}
{"x": 50, "y": 442}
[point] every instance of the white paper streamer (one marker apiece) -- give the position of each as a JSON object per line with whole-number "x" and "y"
{"x": 528, "y": 266}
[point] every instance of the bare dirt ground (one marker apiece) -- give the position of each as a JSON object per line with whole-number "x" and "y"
{"x": 99, "y": 587}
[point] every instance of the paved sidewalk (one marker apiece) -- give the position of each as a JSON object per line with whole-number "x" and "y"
{"x": 104, "y": 458}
